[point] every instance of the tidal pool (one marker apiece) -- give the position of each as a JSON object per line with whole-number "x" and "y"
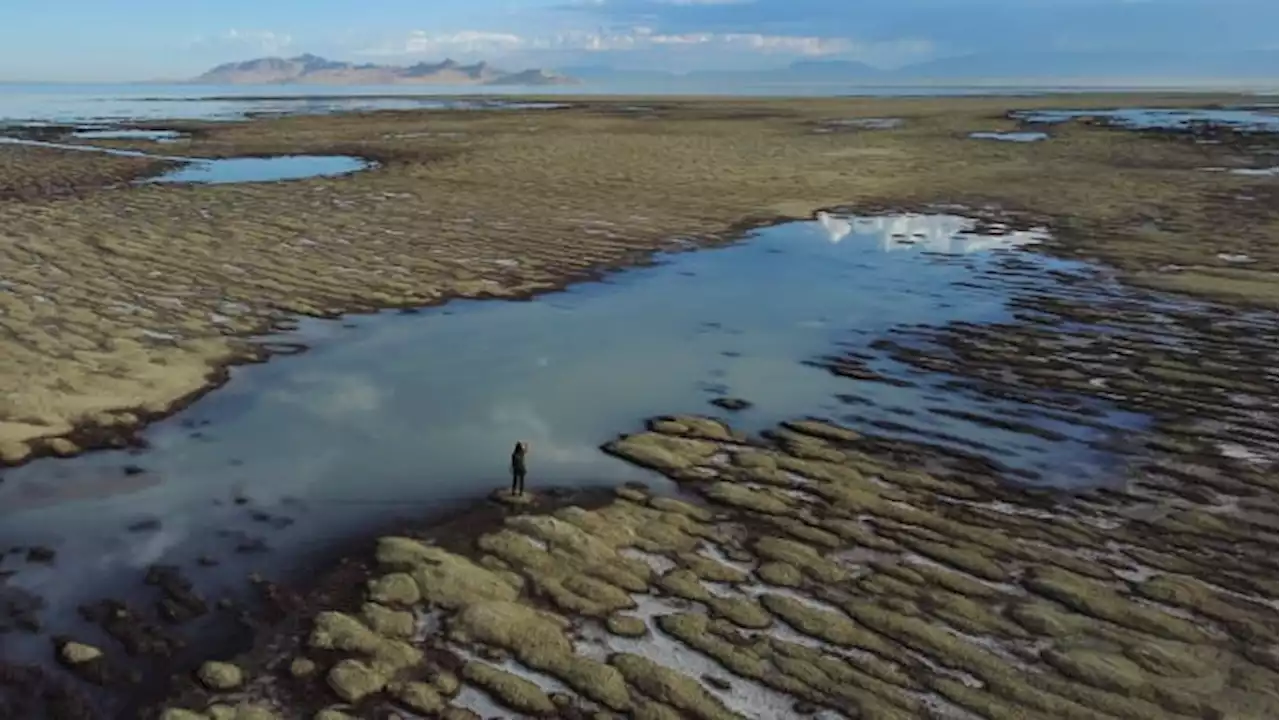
{"x": 266, "y": 169}
{"x": 392, "y": 415}
{"x": 1251, "y": 119}
{"x": 1010, "y": 136}
{"x": 162, "y": 136}
{"x": 227, "y": 170}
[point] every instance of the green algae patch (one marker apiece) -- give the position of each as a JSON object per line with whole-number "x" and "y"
{"x": 353, "y": 680}
{"x": 333, "y": 713}
{"x": 339, "y": 631}
{"x": 387, "y": 622}
{"x": 801, "y": 556}
{"x": 418, "y": 696}
{"x": 510, "y": 690}
{"x": 744, "y": 498}
{"x": 672, "y": 505}
{"x": 537, "y": 638}
{"x": 825, "y": 625}
{"x": 1105, "y": 670}
{"x": 709, "y": 569}
{"x": 780, "y": 574}
{"x": 1044, "y": 618}
{"x": 628, "y": 626}
{"x": 670, "y": 687}
{"x": 443, "y": 578}
{"x": 675, "y": 456}
{"x": 564, "y": 576}
{"x": 396, "y": 588}
{"x": 220, "y": 676}
{"x": 1097, "y": 600}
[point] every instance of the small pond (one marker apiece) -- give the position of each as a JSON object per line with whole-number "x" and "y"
{"x": 267, "y": 169}
{"x": 397, "y": 414}
{"x": 1010, "y": 136}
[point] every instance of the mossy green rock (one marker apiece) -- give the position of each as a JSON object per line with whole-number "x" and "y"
{"x": 417, "y": 696}
{"x": 510, "y": 690}
{"x": 301, "y": 667}
{"x": 626, "y": 626}
{"x": 1105, "y": 670}
{"x": 220, "y": 676}
{"x": 780, "y": 574}
{"x": 353, "y": 680}
{"x": 670, "y": 687}
{"x": 182, "y": 714}
{"x": 388, "y": 622}
{"x": 395, "y": 588}
{"x": 333, "y": 713}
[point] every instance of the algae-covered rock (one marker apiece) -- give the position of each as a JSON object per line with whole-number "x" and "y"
{"x": 182, "y": 714}
{"x": 221, "y": 712}
{"x": 761, "y": 501}
{"x": 220, "y": 676}
{"x": 825, "y": 625}
{"x": 672, "y": 505}
{"x": 741, "y": 611}
{"x": 670, "y": 687}
{"x": 75, "y": 653}
{"x": 1172, "y": 659}
{"x": 1049, "y": 619}
{"x": 443, "y": 578}
{"x": 301, "y": 667}
{"x": 333, "y": 713}
{"x": 339, "y": 631}
{"x": 511, "y": 690}
{"x": 445, "y": 683}
{"x": 417, "y": 696}
{"x": 458, "y": 713}
{"x": 1097, "y": 600}
{"x": 662, "y": 452}
{"x": 801, "y": 556}
{"x": 709, "y": 569}
{"x": 395, "y": 588}
{"x": 698, "y": 426}
{"x": 1106, "y": 670}
{"x": 626, "y": 625}
{"x": 353, "y": 679}
{"x": 780, "y": 574}
{"x": 388, "y": 622}
{"x": 535, "y": 636}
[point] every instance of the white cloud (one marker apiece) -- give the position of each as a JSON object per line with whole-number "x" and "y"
{"x": 261, "y": 41}
{"x": 473, "y": 42}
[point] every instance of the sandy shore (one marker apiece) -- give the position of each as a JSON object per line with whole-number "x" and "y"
{"x": 106, "y": 327}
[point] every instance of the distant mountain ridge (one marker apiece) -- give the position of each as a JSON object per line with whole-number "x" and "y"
{"x": 311, "y": 69}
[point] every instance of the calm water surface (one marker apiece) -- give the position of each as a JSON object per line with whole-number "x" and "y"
{"x": 391, "y": 414}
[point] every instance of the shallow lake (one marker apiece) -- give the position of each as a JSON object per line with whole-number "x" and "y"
{"x": 128, "y": 134}
{"x": 1258, "y": 119}
{"x": 396, "y": 414}
{"x": 1010, "y": 136}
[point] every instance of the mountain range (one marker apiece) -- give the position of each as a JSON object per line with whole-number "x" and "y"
{"x": 314, "y": 70}
{"x": 1000, "y": 66}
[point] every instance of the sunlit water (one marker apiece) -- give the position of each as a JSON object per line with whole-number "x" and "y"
{"x": 396, "y": 415}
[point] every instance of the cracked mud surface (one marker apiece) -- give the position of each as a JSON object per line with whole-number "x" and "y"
{"x": 810, "y": 578}
{"x": 107, "y": 326}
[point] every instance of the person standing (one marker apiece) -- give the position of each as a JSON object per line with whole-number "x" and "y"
{"x": 518, "y": 469}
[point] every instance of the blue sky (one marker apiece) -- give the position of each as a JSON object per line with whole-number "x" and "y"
{"x": 108, "y": 40}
